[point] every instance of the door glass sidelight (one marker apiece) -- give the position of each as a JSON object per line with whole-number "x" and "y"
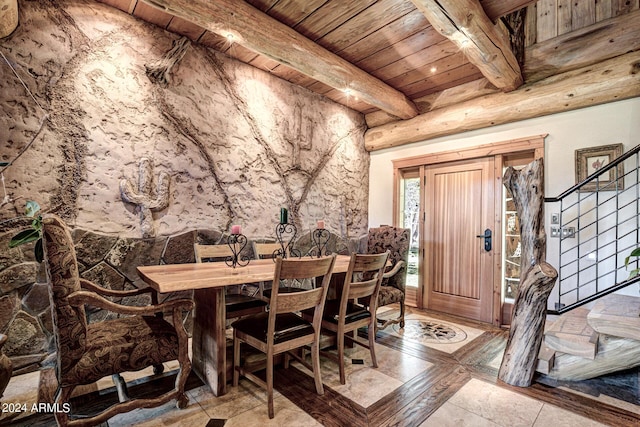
{"x": 410, "y": 218}
{"x": 511, "y": 245}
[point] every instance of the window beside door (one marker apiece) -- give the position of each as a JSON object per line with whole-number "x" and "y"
{"x": 410, "y": 218}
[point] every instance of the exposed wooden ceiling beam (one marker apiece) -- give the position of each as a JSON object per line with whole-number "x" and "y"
{"x": 612, "y": 80}
{"x": 465, "y": 23}
{"x": 260, "y": 33}
{"x": 498, "y": 8}
{"x": 586, "y": 46}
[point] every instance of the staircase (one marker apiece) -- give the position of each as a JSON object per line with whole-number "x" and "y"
{"x": 599, "y": 226}
{"x": 586, "y": 343}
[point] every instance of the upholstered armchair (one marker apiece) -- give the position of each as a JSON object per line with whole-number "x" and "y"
{"x": 396, "y": 241}
{"x": 87, "y": 352}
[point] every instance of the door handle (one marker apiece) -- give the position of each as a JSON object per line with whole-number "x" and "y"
{"x": 487, "y": 239}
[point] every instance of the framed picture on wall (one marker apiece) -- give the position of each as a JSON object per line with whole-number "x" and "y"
{"x": 591, "y": 160}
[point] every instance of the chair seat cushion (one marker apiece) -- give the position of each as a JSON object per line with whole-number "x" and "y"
{"x": 354, "y": 312}
{"x": 288, "y": 326}
{"x": 389, "y": 295}
{"x": 237, "y": 302}
{"x": 125, "y": 344}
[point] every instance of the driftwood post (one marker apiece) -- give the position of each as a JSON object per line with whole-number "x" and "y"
{"x": 536, "y": 276}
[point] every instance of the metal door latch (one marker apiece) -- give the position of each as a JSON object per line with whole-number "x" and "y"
{"x": 487, "y": 239}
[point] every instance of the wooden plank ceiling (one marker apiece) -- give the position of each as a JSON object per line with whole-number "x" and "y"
{"x": 370, "y": 55}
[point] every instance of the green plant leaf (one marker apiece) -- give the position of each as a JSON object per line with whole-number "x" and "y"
{"x": 25, "y": 236}
{"x": 38, "y": 251}
{"x": 634, "y": 253}
{"x": 31, "y": 208}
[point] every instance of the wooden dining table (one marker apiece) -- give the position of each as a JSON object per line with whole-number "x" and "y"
{"x": 208, "y": 280}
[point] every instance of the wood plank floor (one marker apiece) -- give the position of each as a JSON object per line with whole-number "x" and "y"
{"x": 443, "y": 378}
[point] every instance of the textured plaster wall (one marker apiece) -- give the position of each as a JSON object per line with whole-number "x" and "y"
{"x": 236, "y": 142}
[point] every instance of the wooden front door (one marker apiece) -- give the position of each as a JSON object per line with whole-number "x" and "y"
{"x": 459, "y": 206}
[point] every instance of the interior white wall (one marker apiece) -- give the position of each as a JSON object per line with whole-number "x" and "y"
{"x": 617, "y": 122}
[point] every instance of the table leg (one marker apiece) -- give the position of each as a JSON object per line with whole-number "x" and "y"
{"x": 209, "y": 340}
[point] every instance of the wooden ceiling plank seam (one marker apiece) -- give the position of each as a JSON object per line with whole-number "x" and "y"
{"x": 320, "y": 88}
{"x": 438, "y": 77}
{"x": 263, "y": 6}
{"x": 450, "y": 85}
{"x": 530, "y": 20}
{"x": 583, "y": 14}
{"x": 330, "y": 16}
{"x": 285, "y": 72}
{"x": 399, "y": 51}
{"x": 185, "y": 28}
{"x": 398, "y": 30}
{"x": 372, "y": 19}
{"x": 241, "y": 53}
{"x": 263, "y": 63}
{"x": 292, "y": 12}
{"x": 214, "y": 41}
{"x": 152, "y": 15}
{"x": 612, "y": 80}
{"x": 444, "y": 49}
{"x": 456, "y": 76}
{"x": 465, "y": 23}
{"x": 132, "y": 6}
{"x": 563, "y": 16}
{"x": 263, "y": 34}
{"x": 603, "y": 10}
{"x": 547, "y": 27}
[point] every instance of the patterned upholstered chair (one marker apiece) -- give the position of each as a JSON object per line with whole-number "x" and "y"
{"x": 396, "y": 241}
{"x": 87, "y": 352}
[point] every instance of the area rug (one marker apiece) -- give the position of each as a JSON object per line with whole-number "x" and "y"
{"x": 426, "y": 331}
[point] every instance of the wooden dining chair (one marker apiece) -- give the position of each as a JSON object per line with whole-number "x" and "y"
{"x": 356, "y": 306}
{"x": 236, "y": 303}
{"x": 265, "y": 250}
{"x": 282, "y": 329}
{"x": 271, "y": 251}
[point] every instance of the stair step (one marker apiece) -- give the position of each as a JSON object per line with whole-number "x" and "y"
{"x": 572, "y": 334}
{"x": 546, "y": 357}
{"x": 617, "y": 315}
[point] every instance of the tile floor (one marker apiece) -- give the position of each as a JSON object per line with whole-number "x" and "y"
{"x": 477, "y": 400}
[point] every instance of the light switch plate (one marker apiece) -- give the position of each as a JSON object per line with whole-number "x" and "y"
{"x": 555, "y": 218}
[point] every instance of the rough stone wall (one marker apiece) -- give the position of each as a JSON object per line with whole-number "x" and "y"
{"x": 79, "y": 114}
{"x": 107, "y": 260}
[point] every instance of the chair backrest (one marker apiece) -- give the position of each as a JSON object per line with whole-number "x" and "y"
{"x": 290, "y": 302}
{"x": 206, "y": 253}
{"x": 363, "y": 280}
{"x": 395, "y": 240}
{"x": 69, "y": 321}
{"x": 266, "y": 250}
